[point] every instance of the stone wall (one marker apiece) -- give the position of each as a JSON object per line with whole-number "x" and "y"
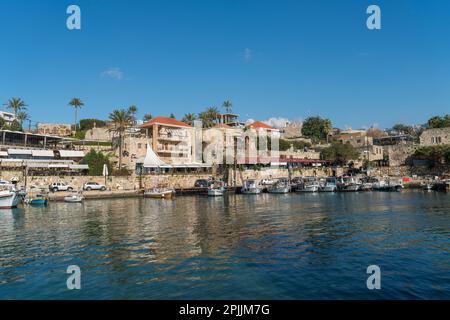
{"x": 113, "y": 183}
{"x": 399, "y": 153}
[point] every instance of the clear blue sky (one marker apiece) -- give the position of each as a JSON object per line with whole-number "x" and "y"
{"x": 287, "y": 59}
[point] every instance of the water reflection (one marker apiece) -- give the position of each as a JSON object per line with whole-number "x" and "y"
{"x": 238, "y": 246}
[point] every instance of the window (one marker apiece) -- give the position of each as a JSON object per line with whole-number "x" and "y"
{"x": 438, "y": 139}
{"x": 432, "y": 139}
{"x": 139, "y": 145}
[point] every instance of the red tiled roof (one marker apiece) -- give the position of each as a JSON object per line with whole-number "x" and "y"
{"x": 166, "y": 121}
{"x": 222, "y": 126}
{"x": 260, "y": 125}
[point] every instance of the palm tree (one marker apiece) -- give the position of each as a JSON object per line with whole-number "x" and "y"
{"x": 76, "y": 103}
{"x": 189, "y": 118}
{"x": 21, "y": 117}
{"x": 133, "y": 110}
{"x": 148, "y": 117}
{"x": 172, "y": 116}
{"x": 121, "y": 120}
{"x": 16, "y": 104}
{"x": 228, "y": 106}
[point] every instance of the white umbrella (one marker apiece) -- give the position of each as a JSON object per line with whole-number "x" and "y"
{"x": 105, "y": 172}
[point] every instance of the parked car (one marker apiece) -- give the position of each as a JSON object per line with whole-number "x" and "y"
{"x": 201, "y": 183}
{"x": 59, "y": 186}
{"x": 88, "y": 186}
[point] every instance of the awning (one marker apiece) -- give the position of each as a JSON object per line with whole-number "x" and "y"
{"x": 71, "y": 154}
{"x": 152, "y": 160}
{"x": 3, "y": 154}
{"x": 79, "y": 166}
{"x": 42, "y": 153}
{"x": 19, "y": 151}
{"x": 58, "y": 165}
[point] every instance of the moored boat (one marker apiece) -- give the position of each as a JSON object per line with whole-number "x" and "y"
{"x": 74, "y": 198}
{"x": 251, "y": 187}
{"x": 387, "y": 185}
{"x": 330, "y": 185}
{"x": 310, "y": 185}
{"x": 348, "y": 184}
{"x": 9, "y": 196}
{"x": 216, "y": 189}
{"x": 37, "y": 200}
{"x": 281, "y": 186}
{"x": 157, "y": 193}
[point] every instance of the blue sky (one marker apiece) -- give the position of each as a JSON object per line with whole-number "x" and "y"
{"x": 290, "y": 59}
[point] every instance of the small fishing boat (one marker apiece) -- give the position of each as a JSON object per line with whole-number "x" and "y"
{"x": 74, "y": 198}
{"x": 310, "y": 185}
{"x": 216, "y": 189}
{"x": 37, "y": 200}
{"x": 281, "y": 186}
{"x": 158, "y": 193}
{"x": 330, "y": 185}
{"x": 251, "y": 187}
{"x": 9, "y": 196}
{"x": 348, "y": 184}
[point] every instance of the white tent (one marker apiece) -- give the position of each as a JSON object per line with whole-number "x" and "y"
{"x": 152, "y": 160}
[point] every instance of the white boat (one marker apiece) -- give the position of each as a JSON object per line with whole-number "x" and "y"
{"x": 251, "y": 187}
{"x": 75, "y": 198}
{"x": 216, "y": 189}
{"x": 330, "y": 185}
{"x": 9, "y": 196}
{"x": 157, "y": 193}
{"x": 281, "y": 186}
{"x": 348, "y": 184}
{"x": 310, "y": 185}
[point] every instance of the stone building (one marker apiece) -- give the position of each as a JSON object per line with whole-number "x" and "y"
{"x": 60, "y": 130}
{"x": 432, "y": 137}
{"x": 172, "y": 140}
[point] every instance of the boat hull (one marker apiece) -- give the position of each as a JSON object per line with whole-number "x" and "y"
{"x": 215, "y": 193}
{"x": 328, "y": 189}
{"x": 279, "y": 190}
{"x": 9, "y": 199}
{"x": 159, "y": 195}
{"x": 251, "y": 191}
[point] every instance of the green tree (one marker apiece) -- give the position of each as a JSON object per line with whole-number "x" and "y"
{"x": 403, "y": 128}
{"x": 189, "y": 118}
{"x": 76, "y": 103}
{"x": 147, "y": 117}
{"x": 96, "y": 160}
{"x": 15, "y": 126}
{"x": 439, "y": 122}
{"x": 228, "y": 106}
{"x": 316, "y": 128}
{"x": 21, "y": 117}
{"x": 86, "y": 124}
{"x": 16, "y": 105}
{"x": 172, "y": 116}
{"x": 3, "y": 124}
{"x": 209, "y": 116}
{"x": 121, "y": 120}
{"x": 340, "y": 153}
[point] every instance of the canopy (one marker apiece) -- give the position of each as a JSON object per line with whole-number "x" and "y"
{"x": 71, "y": 154}
{"x": 152, "y": 160}
{"x": 19, "y": 151}
{"x": 42, "y": 153}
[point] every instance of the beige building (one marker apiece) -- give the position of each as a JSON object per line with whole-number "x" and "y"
{"x": 172, "y": 140}
{"x": 60, "y": 130}
{"x": 438, "y": 136}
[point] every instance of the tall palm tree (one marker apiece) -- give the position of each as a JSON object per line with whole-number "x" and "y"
{"x": 133, "y": 110}
{"x": 121, "y": 120}
{"x": 228, "y": 106}
{"x": 76, "y": 103}
{"x": 189, "y": 118}
{"x": 16, "y": 104}
{"x": 21, "y": 117}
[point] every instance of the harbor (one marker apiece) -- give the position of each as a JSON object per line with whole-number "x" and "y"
{"x": 266, "y": 246}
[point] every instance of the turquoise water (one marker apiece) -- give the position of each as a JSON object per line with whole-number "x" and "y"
{"x": 295, "y": 246}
